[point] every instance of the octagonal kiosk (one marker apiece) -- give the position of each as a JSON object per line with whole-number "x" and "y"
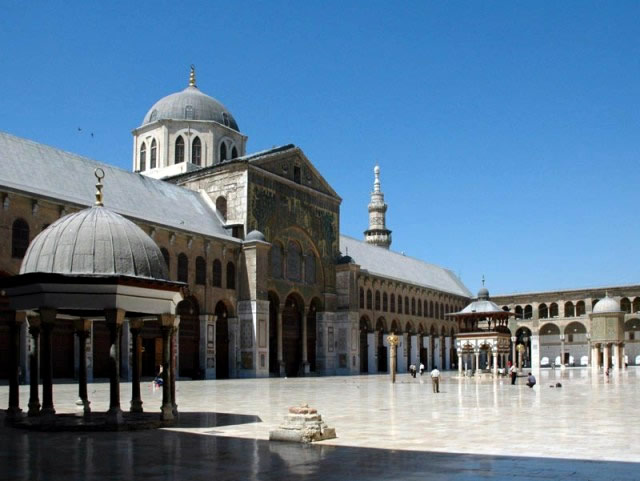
{"x": 483, "y": 338}
{"x": 91, "y": 266}
{"x": 607, "y": 335}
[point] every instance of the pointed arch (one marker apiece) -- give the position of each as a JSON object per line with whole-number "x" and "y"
{"x": 179, "y": 150}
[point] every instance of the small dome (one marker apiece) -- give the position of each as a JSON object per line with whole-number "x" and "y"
{"x": 607, "y": 304}
{"x": 190, "y": 104}
{"x": 483, "y": 293}
{"x": 95, "y": 241}
{"x": 255, "y": 235}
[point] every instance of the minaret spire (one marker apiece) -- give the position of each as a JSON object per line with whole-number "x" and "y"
{"x": 377, "y": 233}
{"x": 192, "y": 76}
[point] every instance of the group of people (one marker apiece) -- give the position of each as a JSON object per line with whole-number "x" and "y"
{"x": 435, "y": 375}
{"x": 413, "y": 370}
{"x": 513, "y": 372}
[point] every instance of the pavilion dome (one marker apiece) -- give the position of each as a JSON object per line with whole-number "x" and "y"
{"x": 606, "y": 305}
{"x": 255, "y": 235}
{"x": 95, "y": 241}
{"x": 483, "y": 293}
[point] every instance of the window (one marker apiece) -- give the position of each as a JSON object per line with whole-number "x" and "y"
{"x": 294, "y": 261}
{"x": 310, "y": 268}
{"x": 196, "y": 152}
{"x": 543, "y": 311}
{"x": 369, "y": 299}
{"x": 568, "y": 309}
{"x": 553, "y": 310}
{"x": 221, "y": 207}
{"x": 143, "y": 156}
{"x": 183, "y": 268}
{"x": 528, "y": 312}
{"x": 217, "y": 273}
{"x": 179, "y": 154}
{"x": 152, "y": 159}
{"x": 19, "y": 238}
{"x": 167, "y": 259}
{"x": 231, "y": 275}
{"x": 234, "y": 152}
{"x": 413, "y": 306}
{"x": 276, "y": 261}
{"x": 419, "y": 307}
{"x": 436, "y": 310}
{"x": 406, "y": 305}
{"x": 223, "y": 152}
{"x": 399, "y": 304}
{"x": 296, "y": 174}
{"x": 385, "y": 302}
{"x": 361, "y": 298}
{"x": 430, "y": 308}
{"x": 393, "y": 303}
{"x": 377, "y": 300}
{"x": 580, "y": 308}
{"x": 201, "y": 271}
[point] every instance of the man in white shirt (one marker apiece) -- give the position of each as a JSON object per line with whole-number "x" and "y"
{"x": 435, "y": 378}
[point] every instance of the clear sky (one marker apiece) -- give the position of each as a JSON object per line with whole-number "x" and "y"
{"x": 507, "y": 132}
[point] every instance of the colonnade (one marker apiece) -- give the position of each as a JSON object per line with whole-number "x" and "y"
{"x": 469, "y": 360}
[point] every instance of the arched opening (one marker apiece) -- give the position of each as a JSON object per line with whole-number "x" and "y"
{"x": 216, "y": 280}
{"x": 381, "y": 328}
{"x": 399, "y": 304}
{"x": 314, "y": 307}
{"x": 222, "y": 341}
{"x": 523, "y": 337}
{"x": 553, "y": 310}
{"x": 580, "y": 309}
{"x": 361, "y": 298}
{"x": 369, "y": 299}
{"x": 234, "y": 152}
{"x": 385, "y": 302}
{"x": 543, "y": 311}
{"x": 549, "y": 345}
{"x": 636, "y": 304}
{"x": 632, "y": 341}
{"x": 223, "y": 152}
{"x": 377, "y": 300}
{"x": 183, "y": 268}
{"x": 569, "y": 309}
{"x": 196, "y": 151}
{"x": 201, "y": 271}
{"x": 221, "y": 207}
{"x": 294, "y": 261}
{"x": 19, "y": 238}
{"x": 189, "y": 338}
{"x": 154, "y": 155}
{"x": 292, "y": 335}
{"x": 276, "y": 260}
{"x": 143, "y": 157}
{"x": 231, "y": 275}
{"x": 179, "y": 150}
{"x": 413, "y": 306}
{"x": 519, "y": 312}
{"x": 392, "y": 302}
{"x": 576, "y": 352}
{"x": 365, "y": 328}
{"x": 274, "y": 306}
{"x": 528, "y": 312}
{"x": 625, "y": 305}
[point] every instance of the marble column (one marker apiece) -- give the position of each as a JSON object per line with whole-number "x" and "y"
{"x": 513, "y": 349}
{"x": 460, "y": 363}
{"x": 442, "y": 354}
{"x": 135, "y": 326}
{"x": 622, "y": 356}
{"x": 114, "y": 319}
{"x": 34, "y": 366}
{"x": 605, "y": 355}
{"x": 48, "y": 317}
{"x": 562, "y": 366}
{"x": 280, "y": 358}
{"x": 305, "y": 362}
{"x": 495, "y": 363}
{"x": 174, "y": 367}
{"x": 595, "y": 357}
{"x": 376, "y": 347}
{"x": 14, "y": 412}
{"x": 83, "y": 328}
{"x": 477, "y": 356}
{"x": 166, "y": 408}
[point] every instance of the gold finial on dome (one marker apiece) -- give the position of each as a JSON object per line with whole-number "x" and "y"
{"x": 192, "y": 76}
{"x": 99, "y": 173}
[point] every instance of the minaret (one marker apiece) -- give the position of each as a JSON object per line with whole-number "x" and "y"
{"x": 377, "y": 233}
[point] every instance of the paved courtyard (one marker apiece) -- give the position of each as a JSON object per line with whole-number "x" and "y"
{"x": 471, "y": 430}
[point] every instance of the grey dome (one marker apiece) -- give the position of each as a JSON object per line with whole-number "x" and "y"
{"x": 95, "y": 241}
{"x": 255, "y": 235}
{"x": 190, "y": 104}
{"x": 483, "y": 293}
{"x": 607, "y": 304}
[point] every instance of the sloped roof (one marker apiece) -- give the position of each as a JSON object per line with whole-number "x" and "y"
{"x": 386, "y": 263}
{"x": 481, "y": 306}
{"x": 30, "y": 167}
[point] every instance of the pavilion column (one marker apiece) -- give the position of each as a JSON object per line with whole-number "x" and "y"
{"x": 135, "y": 326}
{"x": 605, "y": 355}
{"x": 495, "y": 363}
{"x": 562, "y": 351}
{"x": 623, "y": 364}
{"x": 305, "y": 363}
{"x": 477, "y": 356}
{"x": 48, "y": 317}
{"x": 595, "y": 357}
{"x": 174, "y": 369}
{"x": 83, "y": 328}
{"x": 280, "y": 358}
{"x": 14, "y": 411}
{"x": 114, "y": 320}
{"x": 166, "y": 408}
{"x": 460, "y": 362}
{"x": 34, "y": 367}
{"x": 618, "y": 361}
{"x": 513, "y": 349}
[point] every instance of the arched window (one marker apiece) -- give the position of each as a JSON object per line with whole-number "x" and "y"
{"x": 154, "y": 152}
{"x": 413, "y": 306}
{"x": 234, "y": 152}
{"x": 406, "y": 305}
{"x": 385, "y": 302}
{"x": 276, "y": 261}
{"x": 143, "y": 156}
{"x": 425, "y": 311}
{"x": 625, "y": 305}
{"x": 436, "y": 311}
{"x": 580, "y": 309}
{"x": 568, "y": 309}
{"x": 310, "y": 268}
{"x": 196, "y": 151}
{"x": 543, "y": 311}
{"x": 553, "y": 310}
{"x": 231, "y": 275}
{"x": 201, "y": 271}
{"x": 399, "y": 304}
{"x": 183, "y": 268}
{"x": 369, "y": 299}
{"x": 419, "y": 308}
{"x": 361, "y": 298}
{"x": 221, "y": 207}
{"x": 167, "y": 259}
{"x": 179, "y": 154}
{"x": 19, "y": 238}
{"x": 528, "y": 312}
{"x": 377, "y": 300}
{"x": 294, "y": 261}
{"x": 636, "y": 304}
{"x": 393, "y": 303}
{"x": 223, "y": 152}
{"x": 217, "y": 273}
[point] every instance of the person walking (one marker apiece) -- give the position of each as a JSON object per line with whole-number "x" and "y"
{"x": 435, "y": 379}
{"x": 421, "y": 368}
{"x": 514, "y": 374}
{"x": 412, "y": 370}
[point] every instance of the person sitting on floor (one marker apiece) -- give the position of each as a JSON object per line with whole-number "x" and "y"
{"x": 531, "y": 380}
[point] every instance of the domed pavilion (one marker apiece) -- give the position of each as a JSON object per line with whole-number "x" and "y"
{"x": 92, "y": 266}
{"x": 607, "y": 334}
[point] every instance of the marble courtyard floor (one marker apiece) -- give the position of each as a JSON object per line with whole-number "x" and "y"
{"x": 483, "y": 429}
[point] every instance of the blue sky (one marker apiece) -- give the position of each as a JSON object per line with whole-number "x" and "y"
{"x": 507, "y": 132}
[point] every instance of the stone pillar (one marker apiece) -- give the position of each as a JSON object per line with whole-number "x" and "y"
{"x": 513, "y": 349}
{"x": 477, "y": 360}
{"x": 393, "y": 346}
{"x": 376, "y": 348}
{"x": 442, "y": 354}
{"x": 495, "y": 362}
{"x": 135, "y": 326}
{"x": 605, "y": 355}
{"x": 618, "y": 358}
{"x": 14, "y": 411}
{"x": 280, "y": 358}
{"x": 114, "y": 319}
{"x": 48, "y": 317}
{"x": 34, "y": 366}
{"x": 166, "y": 408}
{"x": 460, "y": 362}
{"x": 83, "y": 328}
{"x": 595, "y": 357}
{"x": 562, "y": 366}
{"x": 535, "y": 352}
{"x": 623, "y": 365}
{"x": 305, "y": 362}
{"x": 174, "y": 366}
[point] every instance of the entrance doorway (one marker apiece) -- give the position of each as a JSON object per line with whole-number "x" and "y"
{"x": 274, "y": 305}
{"x": 222, "y": 341}
{"x": 314, "y": 307}
{"x": 292, "y": 336}
{"x": 364, "y": 345}
{"x": 189, "y": 339}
